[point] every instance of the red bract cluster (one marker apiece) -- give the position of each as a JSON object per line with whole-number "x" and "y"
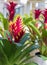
{"x": 37, "y": 13}
{"x": 45, "y": 18}
{"x": 11, "y": 9}
{"x": 16, "y": 29}
{"x": 44, "y": 13}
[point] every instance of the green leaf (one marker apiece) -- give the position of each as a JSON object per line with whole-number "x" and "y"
{"x": 43, "y": 48}
{"x": 27, "y": 20}
{"x": 28, "y": 50}
{"x": 4, "y": 21}
{"x": 7, "y": 34}
{"x": 24, "y": 38}
{"x": 31, "y": 63}
{"x": 5, "y": 24}
{"x": 9, "y": 48}
{"x": 1, "y": 17}
{"x": 14, "y": 53}
{"x": 18, "y": 52}
{"x": 44, "y": 33}
{"x": 3, "y": 56}
{"x": 1, "y": 32}
{"x": 34, "y": 29}
{"x": 43, "y": 57}
{"x": 25, "y": 52}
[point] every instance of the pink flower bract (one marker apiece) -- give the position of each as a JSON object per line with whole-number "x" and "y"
{"x": 17, "y": 29}
{"x": 37, "y": 13}
{"x": 11, "y": 9}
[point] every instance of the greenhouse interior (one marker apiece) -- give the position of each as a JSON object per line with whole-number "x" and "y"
{"x": 23, "y": 32}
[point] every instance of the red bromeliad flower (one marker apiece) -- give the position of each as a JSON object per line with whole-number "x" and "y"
{"x": 37, "y": 13}
{"x": 44, "y": 12}
{"x": 11, "y": 9}
{"x": 16, "y": 29}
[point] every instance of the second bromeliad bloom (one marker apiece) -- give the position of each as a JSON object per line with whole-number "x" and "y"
{"x": 11, "y": 8}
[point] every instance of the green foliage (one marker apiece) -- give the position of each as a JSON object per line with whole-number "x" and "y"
{"x": 43, "y": 57}
{"x": 32, "y": 63}
{"x": 27, "y": 19}
{"x": 43, "y": 48}
{"x": 14, "y": 54}
{"x": 35, "y": 29}
{"x": 4, "y": 21}
{"x": 37, "y": 34}
{"x": 1, "y": 31}
{"x": 44, "y": 33}
{"x": 25, "y": 38}
{"x": 5, "y": 24}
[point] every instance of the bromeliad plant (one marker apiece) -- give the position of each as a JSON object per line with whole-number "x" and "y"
{"x": 38, "y": 32}
{"x": 15, "y": 43}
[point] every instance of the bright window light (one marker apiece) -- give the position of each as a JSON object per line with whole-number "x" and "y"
{"x": 5, "y": 0}
{"x": 46, "y": 1}
{"x": 45, "y": 4}
{"x": 23, "y": 1}
{"x": 36, "y": 5}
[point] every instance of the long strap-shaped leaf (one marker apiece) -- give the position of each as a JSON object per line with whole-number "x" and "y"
{"x": 25, "y": 53}
{"x": 4, "y": 21}
{"x": 35, "y": 29}
{"x": 3, "y": 53}
{"x": 28, "y": 50}
{"x": 1, "y": 32}
{"x": 6, "y": 46}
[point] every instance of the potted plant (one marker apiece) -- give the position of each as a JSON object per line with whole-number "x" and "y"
{"x": 15, "y": 43}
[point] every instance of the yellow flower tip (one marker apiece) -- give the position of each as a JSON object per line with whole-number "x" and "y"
{"x": 18, "y": 34}
{"x": 16, "y": 37}
{"x": 11, "y": 23}
{"x": 15, "y": 18}
{"x": 20, "y": 31}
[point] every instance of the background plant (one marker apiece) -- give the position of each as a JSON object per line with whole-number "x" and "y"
{"x": 38, "y": 33}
